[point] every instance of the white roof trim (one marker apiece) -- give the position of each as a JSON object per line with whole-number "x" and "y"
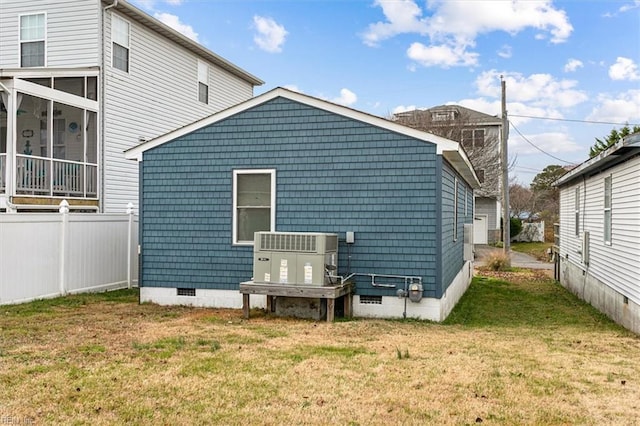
{"x": 601, "y": 160}
{"x": 452, "y": 148}
{"x": 133, "y": 12}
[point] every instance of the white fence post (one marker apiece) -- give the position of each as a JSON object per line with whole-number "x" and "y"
{"x": 64, "y": 211}
{"x": 129, "y": 243}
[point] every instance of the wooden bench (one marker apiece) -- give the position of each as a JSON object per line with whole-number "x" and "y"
{"x": 330, "y": 293}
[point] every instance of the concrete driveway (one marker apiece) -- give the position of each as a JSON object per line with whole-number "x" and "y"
{"x": 518, "y": 260}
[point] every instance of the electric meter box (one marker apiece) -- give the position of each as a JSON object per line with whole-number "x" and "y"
{"x": 295, "y": 258}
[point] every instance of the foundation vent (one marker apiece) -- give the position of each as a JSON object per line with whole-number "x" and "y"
{"x": 371, "y": 300}
{"x": 186, "y": 292}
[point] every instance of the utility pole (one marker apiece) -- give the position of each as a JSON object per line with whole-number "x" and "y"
{"x": 506, "y": 222}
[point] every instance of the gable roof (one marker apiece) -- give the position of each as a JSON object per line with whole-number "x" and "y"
{"x": 138, "y": 15}
{"x": 475, "y": 117}
{"x": 450, "y": 150}
{"x": 616, "y": 154}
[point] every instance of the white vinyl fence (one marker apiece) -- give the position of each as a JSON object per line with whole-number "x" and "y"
{"x": 45, "y": 255}
{"x": 531, "y": 232}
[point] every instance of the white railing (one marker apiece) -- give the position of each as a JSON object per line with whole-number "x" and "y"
{"x": 3, "y": 170}
{"x": 52, "y": 177}
{"x": 52, "y": 254}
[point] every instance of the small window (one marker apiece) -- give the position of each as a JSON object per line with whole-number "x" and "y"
{"x": 473, "y": 138}
{"x": 32, "y": 40}
{"x": 607, "y": 210}
{"x": 577, "y": 211}
{"x": 253, "y": 203}
{"x": 120, "y": 38}
{"x": 480, "y": 174}
{"x": 446, "y": 115}
{"x": 203, "y": 82}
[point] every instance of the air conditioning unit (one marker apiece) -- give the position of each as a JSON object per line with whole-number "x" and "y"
{"x": 295, "y": 258}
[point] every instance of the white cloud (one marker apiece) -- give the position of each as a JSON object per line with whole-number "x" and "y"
{"x": 453, "y": 26}
{"x": 271, "y": 35}
{"x": 622, "y": 108}
{"x": 403, "y": 16}
{"x": 174, "y": 2}
{"x": 572, "y": 65}
{"x": 624, "y": 69}
{"x": 628, "y": 7}
{"x": 442, "y": 55}
{"x": 403, "y": 108}
{"x": 174, "y": 22}
{"x": 347, "y": 98}
{"x": 551, "y": 142}
{"x": 471, "y": 18}
{"x": 538, "y": 90}
{"x": 505, "y": 51}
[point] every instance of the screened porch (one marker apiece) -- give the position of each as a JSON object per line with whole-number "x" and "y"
{"x": 49, "y": 137}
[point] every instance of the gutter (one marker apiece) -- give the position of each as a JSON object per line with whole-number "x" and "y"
{"x": 115, "y": 4}
{"x": 610, "y": 155}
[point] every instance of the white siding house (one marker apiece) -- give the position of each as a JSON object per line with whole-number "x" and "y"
{"x": 481, "y": 136}
{"x": 81, "y": 81}
{"x": 600, "y": 232}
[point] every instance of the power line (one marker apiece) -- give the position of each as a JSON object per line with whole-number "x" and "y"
{"x": 574, "y": 121}
{"x": 531, "y": 169}
{"x": 536, "y": 147}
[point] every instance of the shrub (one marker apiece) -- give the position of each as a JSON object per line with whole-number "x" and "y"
{"x": 497, "y": 262}
{"x": 515, "y": 227}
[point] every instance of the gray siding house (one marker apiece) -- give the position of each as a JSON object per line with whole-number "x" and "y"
{"x": 481, "y": 137}
{"x": 83, "y": 80}
{"x": 309, "y": 166}
{"x": 599, "y": 245}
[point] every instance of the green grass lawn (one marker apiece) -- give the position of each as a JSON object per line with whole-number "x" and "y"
{"x": 517, "y": 349}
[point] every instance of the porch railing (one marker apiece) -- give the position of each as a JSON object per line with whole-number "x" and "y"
{"x": 52, "y": 177}
{"x": 3, "y": 169}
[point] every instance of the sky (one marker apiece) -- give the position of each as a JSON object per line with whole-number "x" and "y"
{"x": 572, "y": 68}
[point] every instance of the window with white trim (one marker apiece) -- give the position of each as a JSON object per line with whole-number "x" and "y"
{"x": 203, "y": 82}
{"x": 577, "y": 211}
{"x": 607, "y": 210}
{"x": 120, "y": 38}
{"x": 254, "y": 202}
{"x": 32, "y": 40}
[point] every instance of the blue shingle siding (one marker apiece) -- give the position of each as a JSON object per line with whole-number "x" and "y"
{"x": 333, "y": 174}
{"x": 452, "y": 248}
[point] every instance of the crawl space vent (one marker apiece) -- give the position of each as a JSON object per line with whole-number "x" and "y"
{"x": 371, "y": 300}
{"x": 186, "y": 292}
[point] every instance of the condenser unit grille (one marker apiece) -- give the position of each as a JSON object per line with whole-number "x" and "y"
{"x": 289, "y": 242}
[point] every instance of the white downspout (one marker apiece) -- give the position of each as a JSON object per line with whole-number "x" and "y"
{"x": 100, "y": 123}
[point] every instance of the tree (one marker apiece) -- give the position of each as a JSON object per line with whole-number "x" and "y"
{"x": 546, "y": 196}
{"x": 543, "y": 181}
{"x": 614, "y": 137}
{"x": 521, "y": 201}
{"x": 452, "y": 122}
